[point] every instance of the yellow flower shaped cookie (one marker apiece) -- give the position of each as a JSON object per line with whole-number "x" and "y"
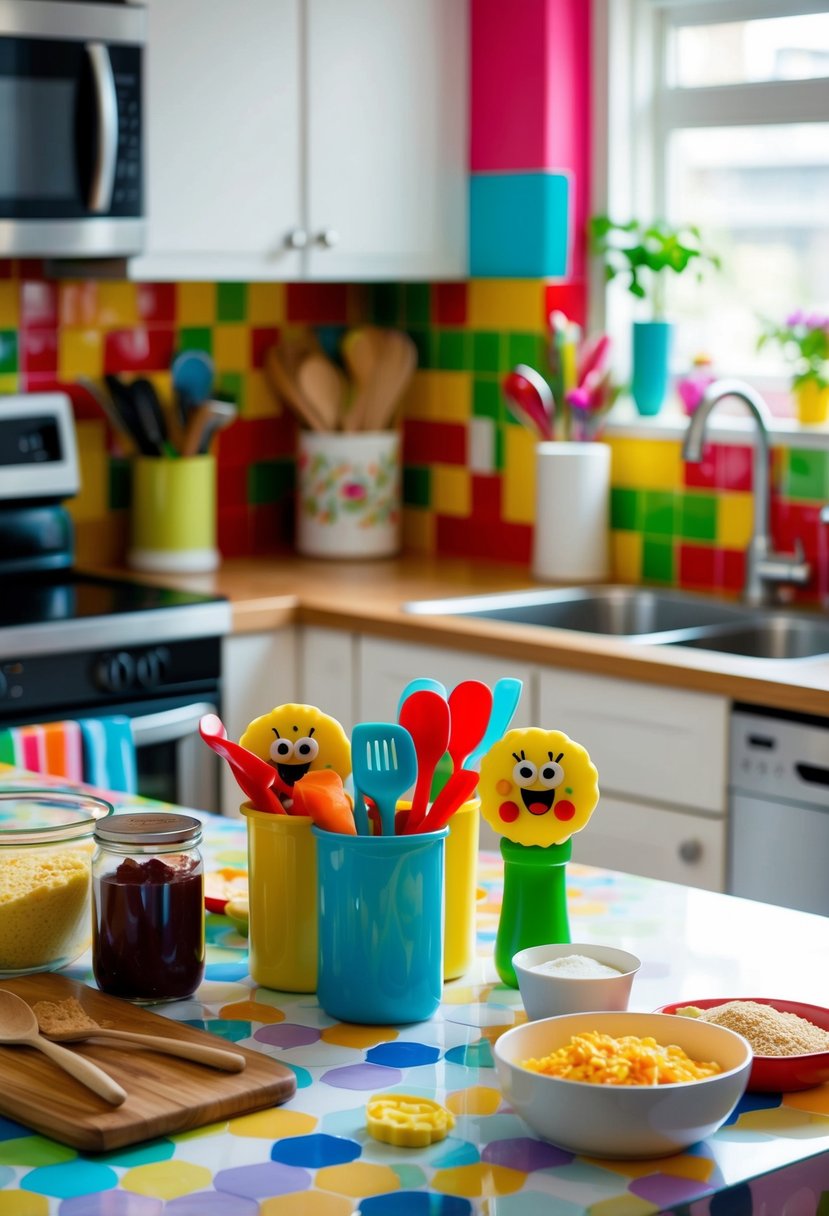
{"x": 296, "y": 739}
{"x": 407, "y": 1121}
{"x": 537, "y": 786}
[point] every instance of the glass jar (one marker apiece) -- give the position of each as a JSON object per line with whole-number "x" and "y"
{"x": 148, "y": 906}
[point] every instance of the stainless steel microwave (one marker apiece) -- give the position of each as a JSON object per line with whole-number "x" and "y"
{"x": 71, "y": 128}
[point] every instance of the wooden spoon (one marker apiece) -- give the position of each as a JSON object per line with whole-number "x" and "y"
{"x": 392, "y": 375}
{"x": 323, "y": 384}
{"x": 280, "y": 374}
{"x": 215, "y": 1057}
{"x": 18, "y": 1024}
{"x": 362, "y": 349}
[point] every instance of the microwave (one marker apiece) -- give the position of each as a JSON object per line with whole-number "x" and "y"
{"x": 71, "y": 129}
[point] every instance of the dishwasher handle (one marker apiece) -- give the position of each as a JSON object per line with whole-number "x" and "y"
{"x": 815, "y": 774}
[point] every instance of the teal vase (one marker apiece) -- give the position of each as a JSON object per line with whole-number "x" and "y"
{"x": 651, "y": 353}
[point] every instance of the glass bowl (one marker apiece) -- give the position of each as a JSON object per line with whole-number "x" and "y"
{"x": 46, "y": 850}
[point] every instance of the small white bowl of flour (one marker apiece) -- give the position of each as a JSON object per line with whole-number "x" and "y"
{"x": 574, "y": 978}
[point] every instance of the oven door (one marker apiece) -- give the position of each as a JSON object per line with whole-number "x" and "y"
{"x": 174, "y": 764}
{"x": 70, "y": 129}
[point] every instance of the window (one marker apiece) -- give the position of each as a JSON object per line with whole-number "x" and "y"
{"x": 718, "y": 115}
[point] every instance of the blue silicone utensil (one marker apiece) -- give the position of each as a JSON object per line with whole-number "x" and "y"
{"x": 384, "y": 766}
{"x": 193, "y": 372}
{"x": 419, "y": 685}
{"x": 506, "y": 694}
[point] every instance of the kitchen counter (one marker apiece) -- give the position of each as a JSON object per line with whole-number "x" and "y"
{"x": 366, "y": 597}
{"x": 312, "y": 1156}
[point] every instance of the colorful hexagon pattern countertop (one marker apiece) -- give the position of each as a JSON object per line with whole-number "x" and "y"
{"x": 313, "y": 1156}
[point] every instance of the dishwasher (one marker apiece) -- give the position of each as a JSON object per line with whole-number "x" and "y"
{"x": 779, "y": 808}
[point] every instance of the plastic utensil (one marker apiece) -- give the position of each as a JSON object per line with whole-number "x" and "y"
{"x": 213, "y": 1057}
{"x": 506, "y": 694}
{"x": 192, "y": 372}
{"x": 458, "y": 789}
{"x": 425, "y": 715}
{"x": 470, "y": 704}
{"x": 254, "y": 776}
{"x": 530, "y": 400}
{"x": 384, "y": 766}
{"x": 421, "y": 683}
{"x": 202, "y": 423}
{"x": 125, "y": 408}
{"x": 320, "y": 795}
{"x": 18, "y": 1024}
{"x": 150, "y": 415}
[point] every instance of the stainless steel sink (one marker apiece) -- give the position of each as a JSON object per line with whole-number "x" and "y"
{"x": 624, "y": 612}
{"x": 768, "y": 636}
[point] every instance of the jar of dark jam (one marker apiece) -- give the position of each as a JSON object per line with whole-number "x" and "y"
{"x": 148, "y": 906}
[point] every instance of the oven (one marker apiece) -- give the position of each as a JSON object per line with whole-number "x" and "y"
{"x": 71, "y": 128}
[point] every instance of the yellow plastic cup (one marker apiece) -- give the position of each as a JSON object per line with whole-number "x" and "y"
{"x": 282, "y": 884}
{"x": 174, "y": 514}
{"x": 812, "y": 403}
{"x": 461, "y": 890}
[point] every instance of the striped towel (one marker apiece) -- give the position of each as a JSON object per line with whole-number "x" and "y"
{"x": 98, "y": 751}
{"x": 109, "y": 753}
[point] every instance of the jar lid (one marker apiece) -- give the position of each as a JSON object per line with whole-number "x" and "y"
{"x": 48, "y": 816}
{"x": 149, "y": 827}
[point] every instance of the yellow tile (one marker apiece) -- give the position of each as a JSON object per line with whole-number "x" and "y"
{"x": 9, "y": 304}
{"x": 451, "y": 490}
{"x": 516, "y": 304}
{"x": 196, "y": 304}
{"x": 626, "y": 555}
{"x": 78, "y": 303}
{"x": 418, "y": 530}
{"x": 646, "y": 464}
{"x": 231, "y": 348}
{"x": 259, "y": 400}
{"x": 266, "y": 303}
{"x": 80, "y": 353}
{"x": 519, "y": 476}
{"x": 735, "y": 513}
{"x": 117, "y": 304}
{"x": 93, "y": 500}
{"x": 439, "y": 397}
{"x": 9, "y": 382}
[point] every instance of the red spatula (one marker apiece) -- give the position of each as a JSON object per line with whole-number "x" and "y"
{"x": 470, "y": 704}
{"x": 425, "y": 715}
{"x": 254, "y": 776}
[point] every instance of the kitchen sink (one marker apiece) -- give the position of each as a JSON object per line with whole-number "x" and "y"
{"x": 770, "y": 636}
{"x": 624, "y": 612}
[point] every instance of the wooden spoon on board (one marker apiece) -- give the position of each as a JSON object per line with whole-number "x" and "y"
{"x": 18, "y": 1024}
{"x": 215, "y": 1057}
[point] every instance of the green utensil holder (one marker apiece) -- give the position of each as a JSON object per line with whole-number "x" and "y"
{"x": 174, "y": 515}
{"x": 534, "y": 908}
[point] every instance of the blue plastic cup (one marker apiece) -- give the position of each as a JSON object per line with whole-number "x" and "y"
{"x": 651, "y": 353}
{"x": 380, "y": 904}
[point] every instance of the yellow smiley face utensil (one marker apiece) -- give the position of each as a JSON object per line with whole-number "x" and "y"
{"x": 297, "y": 739}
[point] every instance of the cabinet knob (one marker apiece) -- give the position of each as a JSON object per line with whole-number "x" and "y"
{"x": 690, "y": 850}
{"x": 297, "y": 238}
{"x": 328, "y": 238}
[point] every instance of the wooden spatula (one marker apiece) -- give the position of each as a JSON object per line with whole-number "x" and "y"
{"x": 392, "y": 374}
{"x": 362, "y": 349}
{"x": 323, "y": 385}
{"x": 280, "y": 374}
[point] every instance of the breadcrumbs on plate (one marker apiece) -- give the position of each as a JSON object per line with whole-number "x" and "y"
{"x": 769, "y": 1031}
{"x": 603, "y": 1060}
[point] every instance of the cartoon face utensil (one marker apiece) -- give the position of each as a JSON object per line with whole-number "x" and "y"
{"x": 297, "y": 739}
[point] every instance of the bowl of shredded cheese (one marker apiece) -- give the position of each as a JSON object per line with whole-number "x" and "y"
{"x": 622, "y": 1084}
{"x": 790, "y": 1039}
{"x": 46, "y": 852}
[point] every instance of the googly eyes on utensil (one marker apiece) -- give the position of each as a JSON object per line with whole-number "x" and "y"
{"x": 281, "y": 750}
{"x": 306, "y": 749}
{"x": 551, "y": 775}
{"x": 525, "y": 773}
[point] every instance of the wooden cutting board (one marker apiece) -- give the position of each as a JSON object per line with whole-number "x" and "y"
{"x": 164, "y": 1094}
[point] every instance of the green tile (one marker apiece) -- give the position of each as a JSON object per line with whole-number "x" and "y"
{"x": 120, "y": 484}
{"x": 417, "y": 303}
{"x": 486, "y": 352}
{"x": 420, "y": 337}
{"x": 625, "y": 509}
{"x": 386, "y": 302}
{"x": 450, "y": 350}
{"x": 417, "y": 486}
{"x": 657, "y": 561}
{"x": 8, "y": 350}
{"x": 499, "y": 456}
{"x": 658, "y": 513}
{"x": 269, "y": 481}
{"x": 231, "y": 301}
{"x": 698, "y": 516}
{"x": 806, "y": 474}
{"x": 526, "y": 348}
{"x": 486, "y": 398}
{"x": 196, "y": 338}
{"x": 230, "y": 386}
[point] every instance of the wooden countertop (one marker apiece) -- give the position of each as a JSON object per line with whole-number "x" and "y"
{"x": 270, "y": 593}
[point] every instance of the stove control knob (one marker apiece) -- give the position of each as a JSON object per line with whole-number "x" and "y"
{"x": 151, "y": 667}
{"x": 114, "y": 672}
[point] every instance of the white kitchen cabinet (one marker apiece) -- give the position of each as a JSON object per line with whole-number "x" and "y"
{"x": 306, "y": 139}
{"x": 327, "y": 672}
{"x": 259, "y": 671}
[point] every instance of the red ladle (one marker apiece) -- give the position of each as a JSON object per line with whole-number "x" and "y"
{"x": 470, "y": 704}
{"x": 254, "y": 776}
{"x": 425, "y": 715}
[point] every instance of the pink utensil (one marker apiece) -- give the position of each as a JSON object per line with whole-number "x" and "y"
{"x": 470, "y": 704}
{"x": 530, "y": 400}
{"x": 425, "y": 715}
{"x": 254, "y": 776}
{"x": 458, "y": 789}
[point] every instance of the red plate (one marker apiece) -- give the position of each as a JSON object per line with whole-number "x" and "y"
{"x": 777, "y": 1074}
{"x": 222, "y": 885}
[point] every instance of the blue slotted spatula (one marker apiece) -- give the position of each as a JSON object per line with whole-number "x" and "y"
{"x": 384, "y": 766}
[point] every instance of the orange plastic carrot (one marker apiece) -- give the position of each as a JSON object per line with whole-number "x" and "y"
{"x": 320, "y": 796}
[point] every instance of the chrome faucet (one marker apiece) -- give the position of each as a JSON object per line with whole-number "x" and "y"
{"x": 765, "y": 569}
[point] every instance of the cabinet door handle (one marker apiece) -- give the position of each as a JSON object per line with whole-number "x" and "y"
{"x": 328, "y": 238}
{"x": 690, "y": 851}
{"x": 297, "y": 238}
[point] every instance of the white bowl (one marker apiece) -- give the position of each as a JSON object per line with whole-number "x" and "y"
{"x": 628, "y": 1120}
{"x": 547, "y": 996}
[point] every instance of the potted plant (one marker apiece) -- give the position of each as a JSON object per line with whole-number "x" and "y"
{"x": 646, "y": 254}
{"x": 805, "y": 343}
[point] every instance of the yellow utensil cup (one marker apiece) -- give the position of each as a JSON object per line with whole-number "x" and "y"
{"x": 174, "y": 514}
{"x": 461, "y": 889}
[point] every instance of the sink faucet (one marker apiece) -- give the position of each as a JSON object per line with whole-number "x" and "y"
{"x": 765, "y": 569}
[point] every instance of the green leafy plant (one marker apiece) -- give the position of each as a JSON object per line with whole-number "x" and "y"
{"x": 804, "y": 341}
{"x": 646, "y": 253}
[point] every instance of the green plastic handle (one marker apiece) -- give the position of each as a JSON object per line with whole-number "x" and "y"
{"x": 534, "y": 908}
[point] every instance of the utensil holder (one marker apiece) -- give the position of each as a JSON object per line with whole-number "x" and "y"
{"x": 173, "y": 515}
{"x": 572, "y": 512}
{"x": 461, "y": 893}
{"x": 282, "y": 885}
{"x": 348, "y": 494}
{"x": 380, "y": 905}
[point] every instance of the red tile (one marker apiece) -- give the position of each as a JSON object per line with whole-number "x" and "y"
{"x": 29, "y": 268}
{"x": 156, "y": 302}
{"x": 486, "y": 497}
{"x": 138, "y": 350}
{"x": 256, "y": 439}
{"x": 697, "y": 566}
{"x": 732, "y": 569}
{"x": 796, "y": 521}
{"x": 272, "y": 527}
{"x": 429, "y": 442}
{"x": 449, "y": 303}
{"x": 569, "y": 298}
{"x": 703, "y": 475}
{"x": 38, "y": 305}
{"x": 38, "y": 350}
{"x": 233, "y": 532}
{"x": 260, "y": 340}
{"x": 232, "y": 486}
{"x": 317, "y": 303}
{"x": 6, "y": 268}
{"x": 496, "y": 541}
{"x": 735, "y": 467}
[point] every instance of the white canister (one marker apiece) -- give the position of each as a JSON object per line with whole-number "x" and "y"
{"x": 572, "y": 512}
{"x": 348, "y": 494}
